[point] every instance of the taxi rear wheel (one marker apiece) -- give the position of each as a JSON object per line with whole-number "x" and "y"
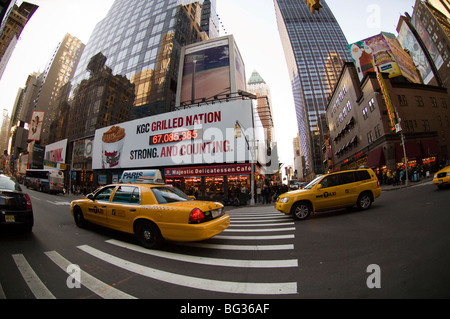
{"x": 148, "y": 235}
{"x": 301, "y": 210}
{"x": 364, "y": 201}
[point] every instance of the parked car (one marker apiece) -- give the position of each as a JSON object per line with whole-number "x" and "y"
{"x": 340, "y": 189}
{"x": 152, "y": 212}
{"x": 442, "y": 178}
{"x": 15, "y": 205}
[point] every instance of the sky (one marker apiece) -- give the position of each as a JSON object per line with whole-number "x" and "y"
{"x": 251, "y": 22}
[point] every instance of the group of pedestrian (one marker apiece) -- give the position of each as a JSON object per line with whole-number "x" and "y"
{"x": 268, "y": 194}
{"x": 398, "y": 176}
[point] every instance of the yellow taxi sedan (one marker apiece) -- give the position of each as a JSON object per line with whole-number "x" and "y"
{"x": 442, "y": 178}
{"x": 152, "y": 212}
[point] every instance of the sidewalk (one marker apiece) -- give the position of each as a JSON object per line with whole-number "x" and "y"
{"x": 385, "y": 188}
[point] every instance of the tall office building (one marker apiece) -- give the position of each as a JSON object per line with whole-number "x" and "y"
{"x": 142, "y": 41}
{"x": 59, "y": 71}
{"x": 315, "y": 49}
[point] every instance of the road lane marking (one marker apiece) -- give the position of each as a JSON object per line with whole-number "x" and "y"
{"x": 259, "y": 230}
{"x": 240, "y": 247}
{"x": 93, "y": 284}
{"x": 194, "y": 282}
{"x": 209, "y": 261}
{"x": 254, "y": 237}
{"x": 35, "y": 284}
{"x": 260, "y": 220}
{"x": 234, "y": 217}
{"x": 263, "y": 225}
{"x": 2, "y": 293}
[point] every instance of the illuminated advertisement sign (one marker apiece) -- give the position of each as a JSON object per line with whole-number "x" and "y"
{"x": 210, "y": 69}
{"x": 198, "y": 135}
{"x": 385, "y": 53}
{"x": 390, "y": 107}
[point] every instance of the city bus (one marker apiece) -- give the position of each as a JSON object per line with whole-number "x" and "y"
{"x": 45, "y": 180}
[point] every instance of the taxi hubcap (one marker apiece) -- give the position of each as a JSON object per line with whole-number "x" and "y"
{"x": 365, "y": 201}
{"x": 302, "y": 211}
{"x": 147, "y": 235}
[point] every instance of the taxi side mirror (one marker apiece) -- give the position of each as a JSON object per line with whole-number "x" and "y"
{"x": 90, "y": 196}
{"x": 192, "y": 197}
{"x": 319, "y": 187}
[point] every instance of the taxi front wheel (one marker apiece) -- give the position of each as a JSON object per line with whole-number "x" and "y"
{"x": 148, "y": 235}
{"x": 301, "y": 210}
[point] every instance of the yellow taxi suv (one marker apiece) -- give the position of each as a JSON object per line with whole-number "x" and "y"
{"x": 442, "y": 178}
{"x": 332, "y": 191}
{"x": 152, "y": 212}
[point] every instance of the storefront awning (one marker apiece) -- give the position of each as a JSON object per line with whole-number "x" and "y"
{"x": 376, "y": 158}
{"x": 430, "y": 148}
{"x": 412, "y": 151}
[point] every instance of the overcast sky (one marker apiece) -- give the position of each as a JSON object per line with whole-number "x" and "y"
{"x": 252, "y": 22}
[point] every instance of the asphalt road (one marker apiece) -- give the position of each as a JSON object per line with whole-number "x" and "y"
{"x": 262, "y": 256}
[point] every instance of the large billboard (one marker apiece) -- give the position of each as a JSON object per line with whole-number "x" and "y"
{"x": 197, "y": 135}
{"x": 55, "y": 154}
{"x": 385, "y": 53}
{"x": 210, "y": 69}
{"x": 37, "y": 120}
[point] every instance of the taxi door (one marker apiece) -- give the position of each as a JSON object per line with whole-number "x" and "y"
{"x": 96, "y": 209}
{"x": 328, "y": 196}
{"x": 123, "y": 208}
{"x": 350, "y": 188}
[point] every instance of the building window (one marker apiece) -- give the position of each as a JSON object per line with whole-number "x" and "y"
{"x": 377, "y": 131}
{"x": 433, "y": 102}
{"x": 402, "y": 100}
{"x": 365, "y": 112}
{"x": 444, "y": 103}
{"x": 369, "y": 137}
{"x": 372, "y": 104}
{"x": 419, "y": 101}
{"x": 426, "y": 125}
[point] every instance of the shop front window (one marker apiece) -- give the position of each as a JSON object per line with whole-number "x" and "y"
{"x": 214, "y": 186}
{"x": 193, "y": 186}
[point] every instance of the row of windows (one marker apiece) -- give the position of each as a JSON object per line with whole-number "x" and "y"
{"x": 403, "y": 101}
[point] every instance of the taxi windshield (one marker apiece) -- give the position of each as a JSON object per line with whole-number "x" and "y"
{"x": 313, "y": 182}
{"x": 169, "y": 194}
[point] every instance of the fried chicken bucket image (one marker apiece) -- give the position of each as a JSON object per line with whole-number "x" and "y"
{"x": 113, "y": 141}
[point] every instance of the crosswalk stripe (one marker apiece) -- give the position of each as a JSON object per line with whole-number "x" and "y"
{"x": 194, "y": 282}
{"x": 247, "y": 221}
{"x": 209, "y": 261}
{"x": 254, "y": 237}
{"x": 259, "y": 230}
{"x": 235, "y": 217}
{"x": 261, "y": 225}
{"x": 35, "y": 284}
{"x": 240, "y": 247}
{"x": 96, "y": 286}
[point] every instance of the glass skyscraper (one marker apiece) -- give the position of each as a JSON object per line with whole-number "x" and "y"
{"x": 315, "y": 49}
{"x": 142, "y": 40}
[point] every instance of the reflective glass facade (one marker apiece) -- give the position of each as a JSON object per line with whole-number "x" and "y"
{"x": 315, "y": 48}
{"x": 141, "y": 40}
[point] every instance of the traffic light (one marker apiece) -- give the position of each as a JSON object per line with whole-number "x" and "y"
{"x": 314, "y": 5}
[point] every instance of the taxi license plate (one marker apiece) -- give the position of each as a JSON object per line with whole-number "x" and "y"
{"x": 10, "y": 219}
{"x": 216, "y": 213}
{"x": 441, "y": 181}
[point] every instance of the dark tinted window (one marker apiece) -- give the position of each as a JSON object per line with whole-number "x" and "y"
{"x": 330, "y": 181}
{"x": 104, "y": 194}
{"x": 347, "y": 178}
{"x": 167, "y": 194}
{"x": 362, "y": 175}
{"x": 127, "y": 194}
